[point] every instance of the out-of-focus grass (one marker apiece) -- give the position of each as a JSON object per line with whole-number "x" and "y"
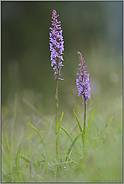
{"x": 102, "y": 160}
{"x": 103, "y": 156}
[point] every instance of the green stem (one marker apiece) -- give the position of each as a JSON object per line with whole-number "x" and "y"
{"x": 84, "y": 121}
{"x": 56, "y": 127}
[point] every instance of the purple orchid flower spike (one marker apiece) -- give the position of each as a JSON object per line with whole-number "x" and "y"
{"x": 82, "y": 82}
{"x": 56, "y": 45}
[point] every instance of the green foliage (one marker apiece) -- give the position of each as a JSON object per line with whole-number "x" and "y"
{"x": 88, "y": 127}
{"x": 70, "y": 148}
{"x": 39, "y": 136}
{"x": 17, "y": 158}
{"x": 57, "y": 136}
{"x": 67, "y": 133}
{"x": 79, "y": 125}
{"x": 28, "y": 160}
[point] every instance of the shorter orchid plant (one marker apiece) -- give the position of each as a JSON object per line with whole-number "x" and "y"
{"x": 83, "y": 86}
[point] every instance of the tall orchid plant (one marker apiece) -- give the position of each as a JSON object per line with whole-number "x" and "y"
{"x": 56, "y": 48}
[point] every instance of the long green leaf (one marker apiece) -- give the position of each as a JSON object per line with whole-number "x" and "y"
{"x": 7, "y": 142}
{"x": 39, "y": 136}
{"x": 79, "y": 126}
{"x": 13, "y": 125}
{"x": 9, "y": 150}
{"x": 46, "y": 164}
{"x": 57, "y": 136}
{"x": 77, "y": 121}
{"x": 17, "y": 157}
{"x": 70, "y": 148}
{"x": 60, "y": 121}
{"x": 89, "y": 124}
{"x": 67, "y": 133}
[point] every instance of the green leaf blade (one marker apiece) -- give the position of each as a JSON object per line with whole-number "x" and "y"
{"x": 39, "y": 136}
{"x": 57, "y": 136}
{"x": 17, "y": 157}
{"x": 89, "y": 124}
{"x": 79, "y": 126}
{"x": 67, "y": 133}
{"x": 72, "y": 144}
{"x": 78, "y": 121}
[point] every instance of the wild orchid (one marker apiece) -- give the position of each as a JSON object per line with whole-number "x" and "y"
{"x": 56, "y": 48}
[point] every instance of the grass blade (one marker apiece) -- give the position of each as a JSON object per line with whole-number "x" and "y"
{"x": 67, "y": 133}
{"x": 39, "y": 136}
{"x": 78, "y": 124}
{"x": 46, "y": 164}
{"x": 60, "y": 121}
{"x": 77, "y": 121}
{"x": 9, "y": 151}
{"x": 70, "y": 148}
{"x": 17, "y": 157}
{"x": 57, "y": 136}
{"x": 89, "y": 125}
{"x": 13, "y": 125}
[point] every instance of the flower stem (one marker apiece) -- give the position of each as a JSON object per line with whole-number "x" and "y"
{"x": 56, "y": 127}
{"x": 84, "y": 121}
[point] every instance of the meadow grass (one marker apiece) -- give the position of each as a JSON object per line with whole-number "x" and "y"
{"x": 28, "y": 151}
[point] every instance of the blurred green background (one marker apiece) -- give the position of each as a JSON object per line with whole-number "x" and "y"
{"x": 28, "y": 86}
{"x": 92, "y": 28}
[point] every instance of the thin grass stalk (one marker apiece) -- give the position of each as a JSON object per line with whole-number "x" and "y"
{"x": 13, "y": 125}
{"x": 84, "y": 123}
{"x": 56, "y": 125}
{"x": 88, "y": 126}
{"x": 57, "y": 136}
